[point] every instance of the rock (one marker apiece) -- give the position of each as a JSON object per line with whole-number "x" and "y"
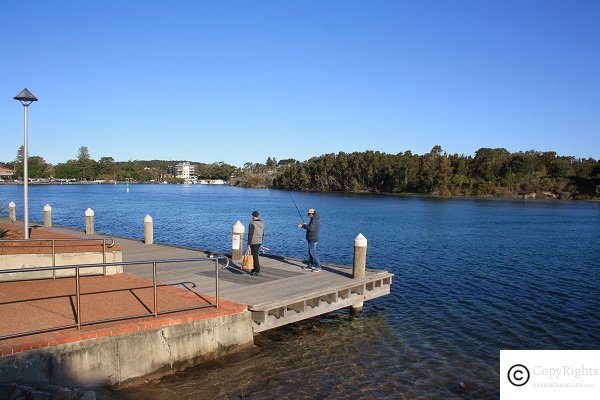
{"x": 65, "y": 394}
{"x": 89, "y": 395}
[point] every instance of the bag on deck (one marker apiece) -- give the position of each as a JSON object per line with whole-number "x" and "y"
{"x": 247, "y": 260}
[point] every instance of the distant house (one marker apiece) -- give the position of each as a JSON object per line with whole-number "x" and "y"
{"x": 6, "y": 173}
{"x": 185, "y": 171}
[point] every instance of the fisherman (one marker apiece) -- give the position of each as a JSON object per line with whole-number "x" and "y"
{"x": 312, "y": 237}
{"x": 256, "y": 231}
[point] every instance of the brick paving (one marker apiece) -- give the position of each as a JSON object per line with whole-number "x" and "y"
{"x": 40, "y": 304}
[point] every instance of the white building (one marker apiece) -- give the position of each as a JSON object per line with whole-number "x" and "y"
{"x": 185, "y": 171}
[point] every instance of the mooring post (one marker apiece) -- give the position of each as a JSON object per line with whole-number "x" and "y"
{"x": 47, "y": 216}
{"x": 12, "y": 212}
{"x": 148, "y": 229}
{"x": 360, "y": 257}
{"x": 237, "y": 241}
{"x": 359, "y": 265}
{"x": 89, "y": 221}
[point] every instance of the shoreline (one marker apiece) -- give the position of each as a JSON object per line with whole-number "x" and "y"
{"x": 534, "y": 196}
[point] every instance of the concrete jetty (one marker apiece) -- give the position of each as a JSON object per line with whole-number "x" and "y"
{"x": 122, "y": 352}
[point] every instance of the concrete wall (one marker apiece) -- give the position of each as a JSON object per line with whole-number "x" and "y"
{"x": 23, "y": 261}
{"x": 126, "y": 358}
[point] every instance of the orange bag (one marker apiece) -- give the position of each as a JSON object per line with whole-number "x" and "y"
{"x": 247, "y": 260}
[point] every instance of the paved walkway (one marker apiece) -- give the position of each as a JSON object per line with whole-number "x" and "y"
{"x": 30, "y": 305}
{"x": 34, "y": 305}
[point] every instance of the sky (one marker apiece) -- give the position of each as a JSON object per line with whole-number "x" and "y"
{"x": 240, "y": 81}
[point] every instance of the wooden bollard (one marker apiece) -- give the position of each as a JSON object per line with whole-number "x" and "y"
{"x": 148, "y": 230}
{"x": 89, "y": 221}
{"x": 12, "y": 212}
{"x": 237, "y": 241}
{"x": 47, "y": 216}
{"x": 359, "y": 266}
{"x": 360, "y": 257}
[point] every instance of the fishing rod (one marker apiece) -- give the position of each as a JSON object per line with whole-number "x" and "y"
{"x": 297, "y": 209}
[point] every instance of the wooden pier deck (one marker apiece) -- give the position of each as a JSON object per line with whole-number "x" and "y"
{"x": 284, "y": 292}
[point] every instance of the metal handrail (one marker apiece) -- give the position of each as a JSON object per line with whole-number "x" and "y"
{"x": 53, "y": 243}
{"x": 155, "y": 312}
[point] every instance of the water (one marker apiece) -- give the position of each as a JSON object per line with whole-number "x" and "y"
{"x": 471, "y": 277}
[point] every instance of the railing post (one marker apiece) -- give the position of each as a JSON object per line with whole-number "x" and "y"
{"x": 148, "y": 230}
{"x": 78, "y": 298}
{"x": 12, "y": 212}
{"x": 217, "y": 281}
{"x": 104, "y": 256}
{"x": 359, "y": 266}
{"x": 237, "y": 241}
{"x": 154, "y": 288}
{"x": 47, "y": 216}
{"x": 53, "y": 258}
{"x": 89, "y": 221}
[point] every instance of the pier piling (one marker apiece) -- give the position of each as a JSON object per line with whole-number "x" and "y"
{"x": 89, "y": 221}
{"x": 12, "y": 212}
{"x": 359, "y": 265}
{"x": 47, "y": 216}
{"x": 148, "y": 229}
{"x": 237, "y": 241}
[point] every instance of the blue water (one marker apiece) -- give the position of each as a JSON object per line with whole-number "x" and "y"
{"x": 471, "y": 277}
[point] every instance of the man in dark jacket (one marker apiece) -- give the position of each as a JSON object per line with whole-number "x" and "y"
{"x": 312, "y": 237}
{"x": 256, "y": 232}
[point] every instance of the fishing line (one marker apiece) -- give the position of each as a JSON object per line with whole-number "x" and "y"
{"x": 297, "y": 209}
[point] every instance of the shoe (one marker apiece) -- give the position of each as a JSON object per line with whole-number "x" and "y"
{"x": 316, "y": 270}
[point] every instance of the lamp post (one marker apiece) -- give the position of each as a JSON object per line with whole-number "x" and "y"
{"x": 26, "y": 98}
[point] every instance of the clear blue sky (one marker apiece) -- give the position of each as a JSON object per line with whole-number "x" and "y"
{"x": 239, "y": 81}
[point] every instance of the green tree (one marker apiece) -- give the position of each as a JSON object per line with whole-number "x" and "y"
{"x": 87, "y": 166}
{"x": 491, "y": 164}
{"x": 106, "y": 168}
{"x": 67, "y": 170}
{"x": 37, "y": 167}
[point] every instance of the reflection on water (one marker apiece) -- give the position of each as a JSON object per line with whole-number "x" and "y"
{"x": 471, "y": 277}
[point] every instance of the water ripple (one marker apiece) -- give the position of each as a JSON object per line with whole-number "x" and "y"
{"x": 471, "y": 277}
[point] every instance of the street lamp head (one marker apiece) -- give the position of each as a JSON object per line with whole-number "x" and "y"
{"x": 25, "y": 97}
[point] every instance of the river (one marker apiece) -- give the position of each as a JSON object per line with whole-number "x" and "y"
{"x": 472, "y": 276}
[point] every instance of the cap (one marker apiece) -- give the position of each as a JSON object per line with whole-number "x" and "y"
{"x": 255, "y": 213}
{"x": 311, "y": 211}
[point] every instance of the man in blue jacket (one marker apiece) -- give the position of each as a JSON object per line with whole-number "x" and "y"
{"x": 312, "y": 237}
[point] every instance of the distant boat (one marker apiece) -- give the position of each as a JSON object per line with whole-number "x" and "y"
{"x": 211, "y": 182}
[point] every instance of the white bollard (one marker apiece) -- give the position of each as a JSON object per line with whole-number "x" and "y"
{"x": 360, "y": 257}
{"x": 12, "y": 212}
{"x": 47, "y": 216}
{"x": 237, "y": 241}
{"x": 359, "y": 266}
{"x": 89, "y": 221}
{"x": 148, "y": 230}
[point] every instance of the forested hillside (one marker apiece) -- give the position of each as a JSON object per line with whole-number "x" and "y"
{"x": 491, "y": 172}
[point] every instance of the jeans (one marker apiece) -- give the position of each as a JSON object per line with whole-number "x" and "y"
{"x": 313, "y": 258}
{"x": 255, "y": 249}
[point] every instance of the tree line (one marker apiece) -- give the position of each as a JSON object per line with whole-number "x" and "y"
{"x": 85, "y": 168}
{"x": 490, "y": 172}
